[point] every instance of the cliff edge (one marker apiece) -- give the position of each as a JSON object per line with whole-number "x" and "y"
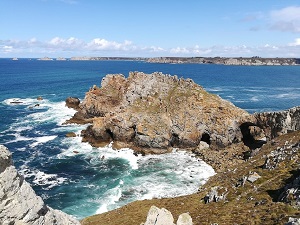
{"x": 18, "y": 202}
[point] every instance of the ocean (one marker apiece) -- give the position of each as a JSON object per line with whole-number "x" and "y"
{"x": 70, "y": 175}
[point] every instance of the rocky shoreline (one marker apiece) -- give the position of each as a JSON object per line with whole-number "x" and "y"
{"x": 256, "y": 157}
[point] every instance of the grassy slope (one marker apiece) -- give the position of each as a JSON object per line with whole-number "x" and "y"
{"x": 249, "y": 204}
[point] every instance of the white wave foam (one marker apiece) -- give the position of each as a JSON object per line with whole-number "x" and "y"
{"x": 22, "y": 101}
{"x": 214, "y": 89}
{"x": 47, "y": 181}
{"x": 95, "y": 155}
{"x": 111, "y": 197}
{"x": 177, "y": 173}
{"x": 52, "y": 112}
{"x": 42, "y": 140}
{"x": 287, "y": 96}
{"x": 18, "y": 137}
{"x": 158, "y": 176}
{"x": 56, "y": 112}
{"x": 254, "y": 99}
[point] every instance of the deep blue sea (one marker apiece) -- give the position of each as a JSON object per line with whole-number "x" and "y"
{"x": 81, "y": 183}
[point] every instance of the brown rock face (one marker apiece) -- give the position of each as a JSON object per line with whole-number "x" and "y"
{"x": 153, "y": 112}
{"x": 72, "y": 102}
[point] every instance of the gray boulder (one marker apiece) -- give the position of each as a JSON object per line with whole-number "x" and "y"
{"x": 293, "y": 221}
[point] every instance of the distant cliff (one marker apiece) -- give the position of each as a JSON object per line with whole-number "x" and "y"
{"x": 18, "y": 202}
{"x": 247, "y": 61}
{"x": 252, "y": 61}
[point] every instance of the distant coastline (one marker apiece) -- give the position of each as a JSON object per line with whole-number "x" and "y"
{"x": 245, "y": 61}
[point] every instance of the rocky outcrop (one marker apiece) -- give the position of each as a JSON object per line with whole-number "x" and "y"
{"x": 154, "y": 112}
{"x": 18, "y": 202}
{"x": 278, "y": 123}
{"x": 280, "y": 154}
{"x": 291, "y": 193}
{"x": 216, "y": 194}
{"x": 157, "y": 216}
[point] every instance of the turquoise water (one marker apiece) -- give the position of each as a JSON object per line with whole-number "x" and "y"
{"x": 82, "y": 184}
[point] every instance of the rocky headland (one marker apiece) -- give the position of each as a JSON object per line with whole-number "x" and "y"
{"x": 153, "y": 113}
{"x": 19, "y": 205}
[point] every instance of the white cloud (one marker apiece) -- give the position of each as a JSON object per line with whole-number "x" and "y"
{"x": 287, "y": 14}
{"x": 69, "y": 44}
{"x": 7, "y": 48}
{"x": 296, "y": 42}
{"x": 72, "y": 46}
{"x": 286, "y": 19}
{"x": 103, "y": 44}
{"x": 180, "y": 50}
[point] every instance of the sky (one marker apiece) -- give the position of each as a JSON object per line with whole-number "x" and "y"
{"x": 149, "y": 28}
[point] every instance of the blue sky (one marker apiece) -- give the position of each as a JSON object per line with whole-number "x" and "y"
{"x": 149, "y": 28}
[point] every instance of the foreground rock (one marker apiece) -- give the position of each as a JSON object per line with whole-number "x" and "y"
{"x": 154, "y": 112}
{"x": 18, "y": 202}
{"x": 157, "y": 216}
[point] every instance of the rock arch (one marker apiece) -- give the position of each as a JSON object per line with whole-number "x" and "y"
{"x": 253, "y": 135}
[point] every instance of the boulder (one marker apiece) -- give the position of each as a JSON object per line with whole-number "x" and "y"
{"x": 157, "y": 216}
{"x": 18, "y": 202}
{"x": 184, "y": 219}
{"x": 253, "y": 176}
{"x": 70, "y": 134}
{"x": 72, "y": 102}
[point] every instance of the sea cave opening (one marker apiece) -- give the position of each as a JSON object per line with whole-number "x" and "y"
{"x": 206, "y": 138}
{"x": 174, "y": 140}
{"x": 110, "y": 133}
